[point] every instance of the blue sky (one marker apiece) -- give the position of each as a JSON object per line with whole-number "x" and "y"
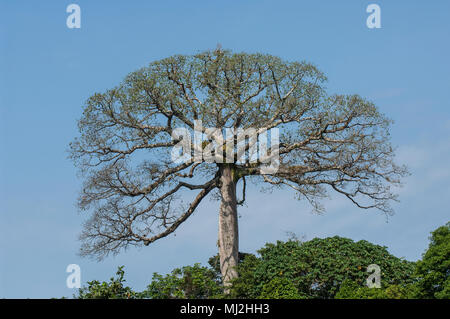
{"x": 47, "y": 71}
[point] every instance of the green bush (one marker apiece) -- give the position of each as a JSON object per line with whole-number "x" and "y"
{"x": 190, "y": 282}
{"x": 280, "y": 288}
{"x": 333, "y": 267}
{"x": 318, "y": 268}
{"x": 351, "y": 290}
{"x": 433, "y": 270}
{"x": 114, "y": 289}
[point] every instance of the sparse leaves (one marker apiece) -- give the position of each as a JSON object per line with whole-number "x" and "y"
{"x": 328, "y": 142}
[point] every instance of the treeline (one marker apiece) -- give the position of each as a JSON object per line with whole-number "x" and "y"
{"x": 333, "y": 267}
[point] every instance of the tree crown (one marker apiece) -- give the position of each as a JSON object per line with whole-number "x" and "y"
{"x": 326, "y": 142}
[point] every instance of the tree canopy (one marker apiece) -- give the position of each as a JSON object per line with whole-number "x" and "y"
{"x": 433, "y": 270}
{"x": 137, "y": 192}
{"x": 317, "y": 268}
{"x": 281, "y": 270}
{"x": 114, "y": 289}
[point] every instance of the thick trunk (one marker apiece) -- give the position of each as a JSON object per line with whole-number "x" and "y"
{"x": 228, "y": 227}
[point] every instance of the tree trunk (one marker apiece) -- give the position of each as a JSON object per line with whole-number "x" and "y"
{"x": 228, "y": 227}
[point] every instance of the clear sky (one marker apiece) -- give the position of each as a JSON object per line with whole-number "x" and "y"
{"x": 47, "y": 71}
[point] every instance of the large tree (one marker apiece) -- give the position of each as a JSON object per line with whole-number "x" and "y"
{"x": 138, "y": 194}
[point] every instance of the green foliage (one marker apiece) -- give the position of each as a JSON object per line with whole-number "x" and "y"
{"x": 333, "y": 267}
{"x": 244, "y": 285}
{"x": 351, "y": 290}
{"x": 280, "y": 288}
{"x": 114, "y": 289}
{"x": 317, "y": 268}
{"x": 434, "y": 269}
{"x": 190, "y": 282}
